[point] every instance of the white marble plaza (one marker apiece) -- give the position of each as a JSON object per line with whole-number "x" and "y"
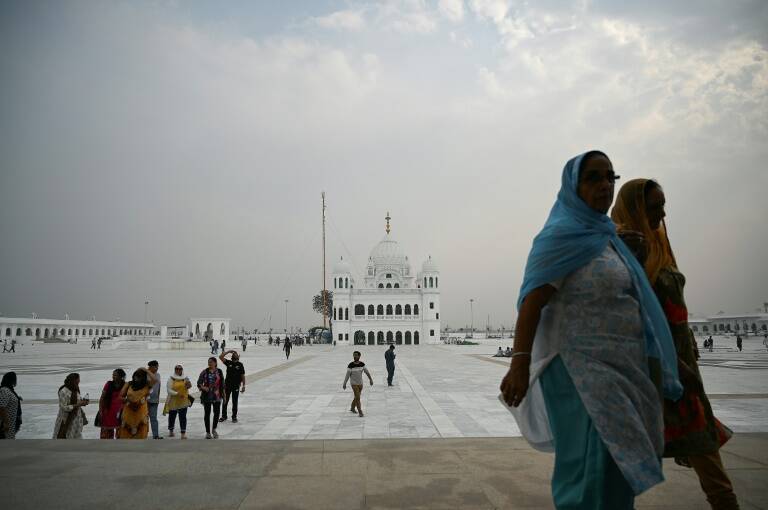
{"x": 439, "y": 391}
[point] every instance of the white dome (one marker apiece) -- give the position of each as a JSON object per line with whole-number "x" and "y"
{"x": 429, "y": 265}
{"x": 341, "y": 267}
{"x": 388, "y": 253}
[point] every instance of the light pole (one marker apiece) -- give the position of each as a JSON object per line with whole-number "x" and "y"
{"x": 286, "y": 316}
{"x": 146, "y": 305}
{"x": 471, "y": 318}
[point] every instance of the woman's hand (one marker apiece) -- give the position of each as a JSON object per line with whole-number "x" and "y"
{"x": 514, "y": 386}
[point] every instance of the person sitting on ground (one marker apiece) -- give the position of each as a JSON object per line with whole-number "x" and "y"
{"x": 499, "y": 353}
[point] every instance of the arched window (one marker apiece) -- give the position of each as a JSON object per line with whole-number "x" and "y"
{"x": 381, "y": 285}
{"x": 398, "y": 310}
{"x": 390, "y": 338}
{"x": 346, "y": 314}
{"x": 397, "y": 285}
{"x": 359, "y": 310}
{"x": 334, "y": 314}
{"x": 370, "y": 310}
{"x": 346, "y": 283}
{"x": 7, "y": 331}
{"x": 754, "y": 327}
{"x": 415, "y": 309}
{"x": 102, "y": 331}
{"x": 416, "y": 338}
{"x": 407, "y": 309}
{"x": 69, "y": 331}
{"x": 359, "y": 338}
{"x": 371, "y": 339}
{"x": 61, "y": 332}
{"x": 425, "y": 282}
{"x": 37, "y": 333}
{"x": 407, "y": 338}
{"x": 695, "y": 328}
{"x": 380, "y": 310}
{"x": 389, "y": 285}
{"x": 435, "y": 281}
{"x": 18, "y": 331}
{"x": 389, "y": 309}
{"x": 399, "y": 338}
{"x": 223, "y": 329}
{"x": 29, "y": 332}
{"x": 380, "y": 338}
{"x": 431, "y": 282}
{"x": 46, "y": 333}
{"x": 90, "y": 332}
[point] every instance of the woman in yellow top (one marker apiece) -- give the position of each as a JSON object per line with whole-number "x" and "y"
{"x": 178, "y": 400}
{"x": 135, "y": 418}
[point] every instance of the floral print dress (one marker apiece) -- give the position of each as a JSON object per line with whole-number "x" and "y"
{"x": 690, "y": 428}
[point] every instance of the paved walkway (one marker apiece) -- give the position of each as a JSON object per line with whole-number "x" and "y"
{"x": 438, "y": 392}
{"x": 324, "y": 474}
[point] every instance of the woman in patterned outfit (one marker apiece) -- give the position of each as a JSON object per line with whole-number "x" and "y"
{"x": 71, "y": 418}
{"x": 589, "y": 327}
{"x": 692, "y": 434}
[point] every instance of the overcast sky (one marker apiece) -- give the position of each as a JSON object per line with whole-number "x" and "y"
{"x": 176, "y": 151}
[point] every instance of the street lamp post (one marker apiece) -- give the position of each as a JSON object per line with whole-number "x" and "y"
{"x": 286, "y": 316}
{"x": 146, "y": 305}
{"x": 471, "y": 318}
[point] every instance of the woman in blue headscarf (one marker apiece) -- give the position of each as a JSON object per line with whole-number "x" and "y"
{"x": 593, "y": 351}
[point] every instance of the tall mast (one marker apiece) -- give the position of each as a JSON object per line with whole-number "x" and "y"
{"x": 324, "y": 290}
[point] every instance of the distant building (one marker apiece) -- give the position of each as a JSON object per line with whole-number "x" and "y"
{"x": 21, "y": 329}
{"x": 209, "y": 329}
{"x": 753, "y": 323}
{"x": 392, "y": 305}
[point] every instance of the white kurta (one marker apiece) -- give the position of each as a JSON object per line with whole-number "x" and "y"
{"x": 593, "y": 323}
{"x": 76, "y": 428}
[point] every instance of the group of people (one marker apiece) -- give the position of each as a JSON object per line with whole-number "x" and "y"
{"x": 604, "y": 369}
{"x": 129, "y": 409}
{"x": 503, "y": 353}
{"x": 11, "y": 348}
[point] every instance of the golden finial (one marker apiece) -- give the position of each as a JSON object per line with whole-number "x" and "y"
{"x": 388, "y": 218}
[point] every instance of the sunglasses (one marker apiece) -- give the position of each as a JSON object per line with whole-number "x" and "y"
{"x": 597, "y": 177}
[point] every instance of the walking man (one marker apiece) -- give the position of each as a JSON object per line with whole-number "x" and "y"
{"x": 215, "y": 346}
{"x": 389, "y": 358}
{"x": 5, "y": 345}
{"x": 154, "y": 399}
{"x": 93, "y": 344}
{"x": 738, "y": 342}
{"x": 13, "y": 345}
{"x": 287, "y": 348}
{"x": 234, "y": 383}
{"x": 355, "y": 377}
{"x": 245, "y": 344}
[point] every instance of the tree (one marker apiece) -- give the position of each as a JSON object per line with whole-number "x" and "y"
{"x": 317, "y": 303}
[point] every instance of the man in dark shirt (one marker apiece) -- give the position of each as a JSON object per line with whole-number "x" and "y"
{"x": 234, "y": 383}
{"x": 389, "y": 358}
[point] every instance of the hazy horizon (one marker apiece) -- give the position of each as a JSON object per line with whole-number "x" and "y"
{"x": 176, "y": 152}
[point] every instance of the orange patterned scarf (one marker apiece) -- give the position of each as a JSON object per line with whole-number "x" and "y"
{"x": 629, "y": 214}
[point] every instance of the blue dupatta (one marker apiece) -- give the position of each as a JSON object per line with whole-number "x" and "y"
{"x": 572, "y": 236}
